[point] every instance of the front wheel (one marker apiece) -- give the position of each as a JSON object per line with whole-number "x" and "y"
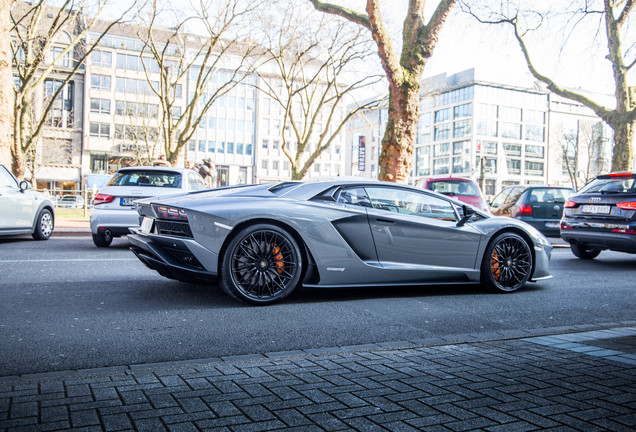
{"x": 584, "y": 253}
{"x": 507, "y": 264}
{"x": 261, "y": 265}
{"x": 44, "y": 226}
{"x": 103, "y": 238}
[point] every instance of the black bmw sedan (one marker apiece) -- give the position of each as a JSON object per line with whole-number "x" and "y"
{"x": 602, "y": 215}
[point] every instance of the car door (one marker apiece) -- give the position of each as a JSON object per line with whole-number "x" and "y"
{"x": 419, "y": 230}
{"x": 17, "y": 206}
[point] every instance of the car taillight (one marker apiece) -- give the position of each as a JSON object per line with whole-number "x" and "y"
{"x": 565, "y": 226}
{"x": 620, "y": 174}
{"x": 569, "y": 204}
{"x": 165, "y": 212}
{"x": 624, "y": 231}
{"x": 102, "y": 199}
{"x": 629, "y": 205}
{"x": 525, "y": 209}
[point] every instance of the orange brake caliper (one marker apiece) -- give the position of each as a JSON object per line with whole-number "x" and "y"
{"x": 279, "y": 258}
{"x": 495, "y": 268}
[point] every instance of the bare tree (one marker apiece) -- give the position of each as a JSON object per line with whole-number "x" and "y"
{"x": 610, "y": 18}
{"x": 313, "y": 80}
{"x": 580, "y": 150}
{"x": 6, "y": 90}
{"x": 404, "y": 73}
{"x": 181, "y": 56}
{"x": 48, "y": 43}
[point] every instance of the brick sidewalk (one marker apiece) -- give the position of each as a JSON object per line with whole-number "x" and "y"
{"x": 582, "y": 381}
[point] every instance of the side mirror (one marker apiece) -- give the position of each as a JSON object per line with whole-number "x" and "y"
{"x": 24, "y": 185}
{"x": 468, "y": 213}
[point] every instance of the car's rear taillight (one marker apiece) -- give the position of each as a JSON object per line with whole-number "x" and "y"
{"x": 525, "y": 209}
{"x": 620, "y": 174}
{"x": 165, "y": 212}
{"x": 565, "y": 226}
{"x": 629, "y": 205}
{"x": 569, "y": 204}
{"x": 624, "y": 231}
{"x": 102, "y": 199}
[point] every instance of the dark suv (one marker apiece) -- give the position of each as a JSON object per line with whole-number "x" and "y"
{"x": 539, "y": 206}
{"x": 602, "y": 215}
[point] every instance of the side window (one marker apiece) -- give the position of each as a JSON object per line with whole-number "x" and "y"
{"x": 6, "y": 179}
{"x": 499, "y": 199}
{"x": 353, "y": 196}
{"x": 411, "y": 203}
{"x": 514, "y": 195}
{"x": 195, "y": 182}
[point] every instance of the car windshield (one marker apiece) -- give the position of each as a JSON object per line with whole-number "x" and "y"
{"x": 611, "y": 185}
{"x": 454, "y": 187}
{"x": 549, "y": 195}
{"x": 164, "y": 179}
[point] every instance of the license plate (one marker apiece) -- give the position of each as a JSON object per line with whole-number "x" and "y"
{"x": 552, "y": 225}
{"x": 598, "y": 209}
{"x": 146, "y": 225}
{"x": 127, "y": 201}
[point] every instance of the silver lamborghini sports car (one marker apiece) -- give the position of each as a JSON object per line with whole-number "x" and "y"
{"x": 260, "y": 242}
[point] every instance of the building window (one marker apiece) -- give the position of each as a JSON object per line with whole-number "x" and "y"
{"x": 534, "y": 168}
{"x": 100, "y": 82}
{"x": 513, "y": 166}
{"x": 510, "y": 114}
{"x": 535, "y": 133}
{"x": 101, "y": 106}
{"x": 275, "y": 165}
{"x": 102, "y": 58}
{"x": 100, "y": 130}
{"x": 99, "y": 163}
{"x": 462, "y": 128}
{"x": 248, "y": 149}
{"x": 461, "y": 164}
{"x": 487, "y": 128}
{"x": 512, "y": 149}
{"x": 64, "y": 60}
{"x": 242, "y": 177}
{"x": 442, "y": 132}
{"x": 534, "y": 151}
{"x": 211, "y": 146}
{"x": 510, "y": 130}
{"x": 422, "y": 161}
{"x": 442, "y": 115}
{"x": 230, "y": 148}
{"x": 465, "y": 110}
{"x": 275, "y": 144}
{"x": 489, "y": 187}
{"x": 264, "y": 164}
{"x": 441, "y": 166}
{"x": 441, "y": 149}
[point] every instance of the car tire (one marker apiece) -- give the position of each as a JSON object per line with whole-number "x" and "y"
{"x": 43, "y": 226}
{"x": 261, "y": 265}
{"x": 507, "y": 263}
{"x": 584, "y": 253}
{"x": 103, "y": 238}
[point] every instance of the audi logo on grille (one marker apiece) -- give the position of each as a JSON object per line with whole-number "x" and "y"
{"x": 596, "y": 199}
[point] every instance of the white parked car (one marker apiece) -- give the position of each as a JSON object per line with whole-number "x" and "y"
{"x": 113, "y": 207}
{"x": 24, "y": 211}
{"x": 70, "y": 201}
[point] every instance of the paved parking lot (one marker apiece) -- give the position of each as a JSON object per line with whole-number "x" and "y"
{"x": 561, "y": 382}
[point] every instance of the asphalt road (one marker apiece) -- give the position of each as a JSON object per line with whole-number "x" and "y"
{"x": 68, "y": 305}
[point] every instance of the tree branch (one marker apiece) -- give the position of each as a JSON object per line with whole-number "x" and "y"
{"x": 343, "y": 12}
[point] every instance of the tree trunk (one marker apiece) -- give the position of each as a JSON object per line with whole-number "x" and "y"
{"x": 6, "y": 88}
{"x": 398, "y": 142}
{"x": 623, "y": 154}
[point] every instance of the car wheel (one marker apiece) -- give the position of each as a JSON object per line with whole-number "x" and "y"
{"x": 103, "y": 238}
{"x": 261, "y": 265}
{"x": 583, "y": 253}
{"x": 44, "y": 226}
{"x": 507, "y": 263}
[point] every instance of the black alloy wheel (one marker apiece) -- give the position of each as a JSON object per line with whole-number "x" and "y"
{"x": 261, "y": 265}
{"x": 43, "y": 226}
{"x": 507, "y": 264}
{"x": 103, "y": 238}
{"x": 582, "y": 252}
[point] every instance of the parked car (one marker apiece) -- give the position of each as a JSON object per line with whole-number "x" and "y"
{"x": 260, "y": 242}
{"x": 602, "y": 215}
{"x": 462, "y": 189}
{"x": 540, "y": 206}
{"x": 70, "y": 201}
{"x": 24, "y": 211}
{"x": 113, "y": 207}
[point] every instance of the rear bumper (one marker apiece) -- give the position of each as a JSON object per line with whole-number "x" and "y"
{"x": 175, "y": 258}
{"x": 117, "y": 221}
{"x": 601, "y": 240}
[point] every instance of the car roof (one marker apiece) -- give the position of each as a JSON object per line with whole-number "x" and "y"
{"x": 461, "y": 179}
{"x": 155, "y": 168}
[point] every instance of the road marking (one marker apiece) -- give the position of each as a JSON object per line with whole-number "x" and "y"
{"x": 71, "y": 260}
